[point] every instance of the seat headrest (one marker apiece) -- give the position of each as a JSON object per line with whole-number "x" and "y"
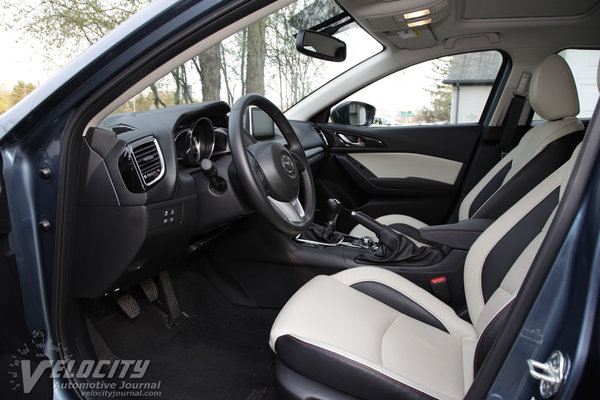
{"x": 552, "y": 93}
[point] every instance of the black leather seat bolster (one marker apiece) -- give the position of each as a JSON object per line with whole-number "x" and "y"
{"x": 535, "y": 171}
{"x": 293, "y": 386}
{"x": 488, "y": 336}
{"x": 341, "y": 373}
{"x": 398, "y": 301}
{"x": 489, "y": 189}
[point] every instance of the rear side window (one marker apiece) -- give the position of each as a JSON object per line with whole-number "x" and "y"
{"x": 584, "y": 66}
{"x": 447, "y": 90}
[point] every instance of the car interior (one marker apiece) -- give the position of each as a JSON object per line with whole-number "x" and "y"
{"x": 259, "y": 251}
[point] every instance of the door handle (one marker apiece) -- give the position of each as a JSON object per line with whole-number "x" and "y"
{"x": 351, "y": 143}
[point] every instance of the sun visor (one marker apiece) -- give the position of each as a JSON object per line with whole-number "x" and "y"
{"x": 394, "y": 16}
{"x": 413, "y": 38}
{"x": 406, "y": 24}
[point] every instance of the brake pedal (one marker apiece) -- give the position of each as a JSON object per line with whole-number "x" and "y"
{"x": 150, "y": 289}
{"x": 128, "y": 305}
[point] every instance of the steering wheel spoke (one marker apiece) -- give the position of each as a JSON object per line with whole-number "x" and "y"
{"x": 258, "y": 173}
{"x": 292, "y": 211}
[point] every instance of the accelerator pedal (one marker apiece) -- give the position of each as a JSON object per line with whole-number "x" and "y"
{"x": 128, "y": 305}
{"x": 150, "y": 290}
{"x": 176, "y": 317}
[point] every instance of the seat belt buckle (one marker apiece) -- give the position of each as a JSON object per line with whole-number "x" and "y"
{"x": 439, "y": 288}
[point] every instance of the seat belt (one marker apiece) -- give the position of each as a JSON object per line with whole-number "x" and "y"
{"x": 511, "y": 120}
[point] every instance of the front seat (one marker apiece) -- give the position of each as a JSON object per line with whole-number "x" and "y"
{"x": 369, "y": 333}
{"x": 553, "y": 95}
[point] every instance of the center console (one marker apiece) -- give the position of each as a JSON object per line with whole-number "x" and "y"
{"x": 424, "y": 247}
{"x": 432, "y": 257}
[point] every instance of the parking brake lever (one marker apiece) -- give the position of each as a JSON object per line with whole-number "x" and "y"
{"x": 366, "y": 221}
{"x": 394, "y": 247}
{"x": 388, "y": 238}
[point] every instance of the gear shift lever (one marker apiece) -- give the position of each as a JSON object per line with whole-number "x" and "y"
{"x": 332, "y": 211}
{"x": 326, "y": 233}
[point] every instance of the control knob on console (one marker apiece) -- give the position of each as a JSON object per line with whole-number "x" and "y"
{"x": 366, "y": 242}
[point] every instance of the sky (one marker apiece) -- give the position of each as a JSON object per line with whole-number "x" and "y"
{"x": 24, "y": 60}
{"x": 27, "y": 61}
{"x": 401, "y": 91}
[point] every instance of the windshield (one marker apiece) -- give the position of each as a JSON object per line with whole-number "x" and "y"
{"x": 261, "y": 58}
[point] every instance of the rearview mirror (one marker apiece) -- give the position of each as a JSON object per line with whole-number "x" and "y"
{"x": 353, "y": 113}
{"x": 320, "y": 45}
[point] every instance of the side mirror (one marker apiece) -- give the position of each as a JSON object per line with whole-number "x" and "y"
{"x": 353, "y": 113}
{"x": 320, "y": 45}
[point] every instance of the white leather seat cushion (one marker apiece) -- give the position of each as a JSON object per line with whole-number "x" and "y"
{"x": 328, "y": 313}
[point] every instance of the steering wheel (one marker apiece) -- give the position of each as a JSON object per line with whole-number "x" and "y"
{"x": 269, "y": 173}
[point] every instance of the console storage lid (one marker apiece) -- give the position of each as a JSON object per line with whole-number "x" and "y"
{"x": 460, "y": 235}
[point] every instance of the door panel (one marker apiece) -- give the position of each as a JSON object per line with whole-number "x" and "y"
{"x": 412, "y": 170}
{"x": 453, "y": 142}
{"x": 409, "y": 165}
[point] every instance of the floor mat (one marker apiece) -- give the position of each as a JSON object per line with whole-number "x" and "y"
{"x": 220, "y": 352}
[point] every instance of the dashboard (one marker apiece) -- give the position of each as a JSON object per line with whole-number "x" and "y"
{"x": 145, "y": 194}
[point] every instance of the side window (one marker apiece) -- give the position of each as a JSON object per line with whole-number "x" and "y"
{"x": 448, "y": 90}
{"x": 584, "y": 66}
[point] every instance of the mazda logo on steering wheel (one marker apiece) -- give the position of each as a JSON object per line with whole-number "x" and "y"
{"x": 288, "y": 164}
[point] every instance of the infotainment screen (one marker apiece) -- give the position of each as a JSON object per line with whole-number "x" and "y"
{"x": 260, "y": 125}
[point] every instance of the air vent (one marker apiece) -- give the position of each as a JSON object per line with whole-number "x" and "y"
{"x": 118, "y": 129}
{"x": 321, "y": 133}
{"x": 148, "y": 160}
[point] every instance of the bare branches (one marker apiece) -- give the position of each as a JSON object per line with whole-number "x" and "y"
{"x": 295, "y": 73}
{"x": 261, "y": 58}
{"x": 70, "y": 25}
